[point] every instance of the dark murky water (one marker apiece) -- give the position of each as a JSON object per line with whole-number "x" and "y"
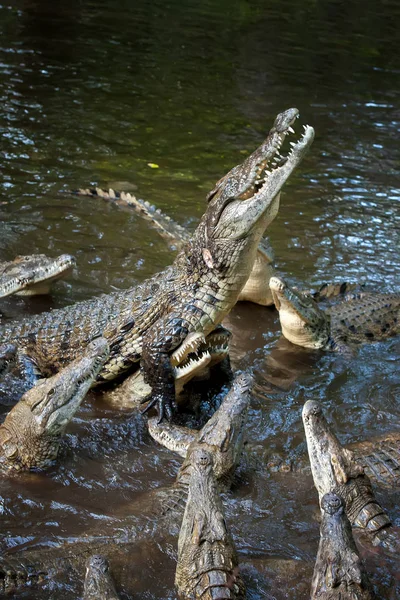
{"x": 91, "y": 93}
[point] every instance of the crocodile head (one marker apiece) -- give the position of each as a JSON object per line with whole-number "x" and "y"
{"x": 302, "y": 321}
{"x": 8, "y": 358}
{"x": 223, "y": 435}
{"x": 332, "y": 465}
{"x": 207, "y": 565}
{"x": 98, "y": 581}
{"x": 33, "y": 274}
{"x": 31, "y": 433}
{"x": 246, "y": 200}
{"x": 338, "y": 571}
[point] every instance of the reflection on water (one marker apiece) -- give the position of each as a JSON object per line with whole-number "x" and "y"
{"x": 92, "y": 93}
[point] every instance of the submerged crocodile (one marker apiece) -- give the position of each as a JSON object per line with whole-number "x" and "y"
{"x": 31, "y": 433}
{"x": 364, "y": 317}
{"x": 338, "y": 573}
{"x": 33, "y": 274}
{"x": 334, "y": 469}
{"x": 149, "y": 322}
{"x": 208, "y": 567}
{"x": 99, "y": 584}
{"x": 222, "y": 437}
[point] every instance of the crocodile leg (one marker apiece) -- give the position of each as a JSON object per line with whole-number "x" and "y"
{"x": 166, "y": 335}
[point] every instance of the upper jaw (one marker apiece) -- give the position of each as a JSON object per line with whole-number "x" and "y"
{"x": 255, "y": 205}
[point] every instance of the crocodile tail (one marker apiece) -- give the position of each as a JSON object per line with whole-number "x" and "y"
{"x": 167, "y": 228}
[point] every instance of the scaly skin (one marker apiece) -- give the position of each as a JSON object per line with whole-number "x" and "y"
{"x": 222, "y": 437}
{"x": 149, "y": 322}
{"x": 99, "y": 584}
{"x": 32, "y": 275}
{"x": 31, "y": 433}
{"x": 339, "y": 573}
{"x": 364, "y": 317}
{"x": 334, "y": 469}
{"x": 256, "y": 288}
{"x": 208, "y": 567}
{"x": 379, "y": 457}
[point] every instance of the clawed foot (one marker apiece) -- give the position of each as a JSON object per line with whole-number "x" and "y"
{"x": 165, "y": 406}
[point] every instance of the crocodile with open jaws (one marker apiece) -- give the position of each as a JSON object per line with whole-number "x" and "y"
{"x": 339, "y": 573}
{"x": 31, "y": 433}
{"x": 33, "y": 274}
{"x": 364, "y": 317}
{"x": 208, "y": 567}
{"x": 222, "y": 437}
{"x": 334, "y": 469}
{"x": 147, "y": 323}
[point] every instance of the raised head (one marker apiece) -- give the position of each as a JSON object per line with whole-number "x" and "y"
{"x": 302, "y": 321}
{"x": 246, "y": 200}
{"x": 332, "y": 465}
{"x": 338, "y": 573}
{"x": 31, "y": 433}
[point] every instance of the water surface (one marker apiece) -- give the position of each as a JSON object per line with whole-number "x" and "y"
{"x": 92, "y": 93}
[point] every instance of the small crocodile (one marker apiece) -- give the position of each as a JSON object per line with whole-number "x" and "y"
{"x": 364, "y": 317}
{"x": 338, "y": 573}
{"x": 334, "y": 469}
{"x": 99, "y": 584}
{"x": 33, "y": 274}
{"x": 31, "y": 433}
{"x": 149, "y": 322}
{"x": 208, "y": 567}
{"x": 222, "y": 437}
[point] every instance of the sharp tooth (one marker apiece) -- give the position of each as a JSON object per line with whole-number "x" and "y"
{"x": 291, "y": 129}
{"x": 292, "y": 143}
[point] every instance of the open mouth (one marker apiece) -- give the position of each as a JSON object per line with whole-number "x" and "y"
{"x": 279, "y": 154}
{"x": 198, "y": 352}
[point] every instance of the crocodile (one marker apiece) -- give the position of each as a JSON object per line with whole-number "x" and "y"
{"x": 99, "y": 584}
{"x": 145, "y": 324}
{"x": 335, "y": 469}
{"x": 33, "y": 274}
{"x": 338, "y": 573}
{"x": 31, "y": 433}
{"x": 191, "y": 361}
{"x": 207, "y": 567}
{"x": 222, "y": 437}
{"x": 359, "y": 318}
